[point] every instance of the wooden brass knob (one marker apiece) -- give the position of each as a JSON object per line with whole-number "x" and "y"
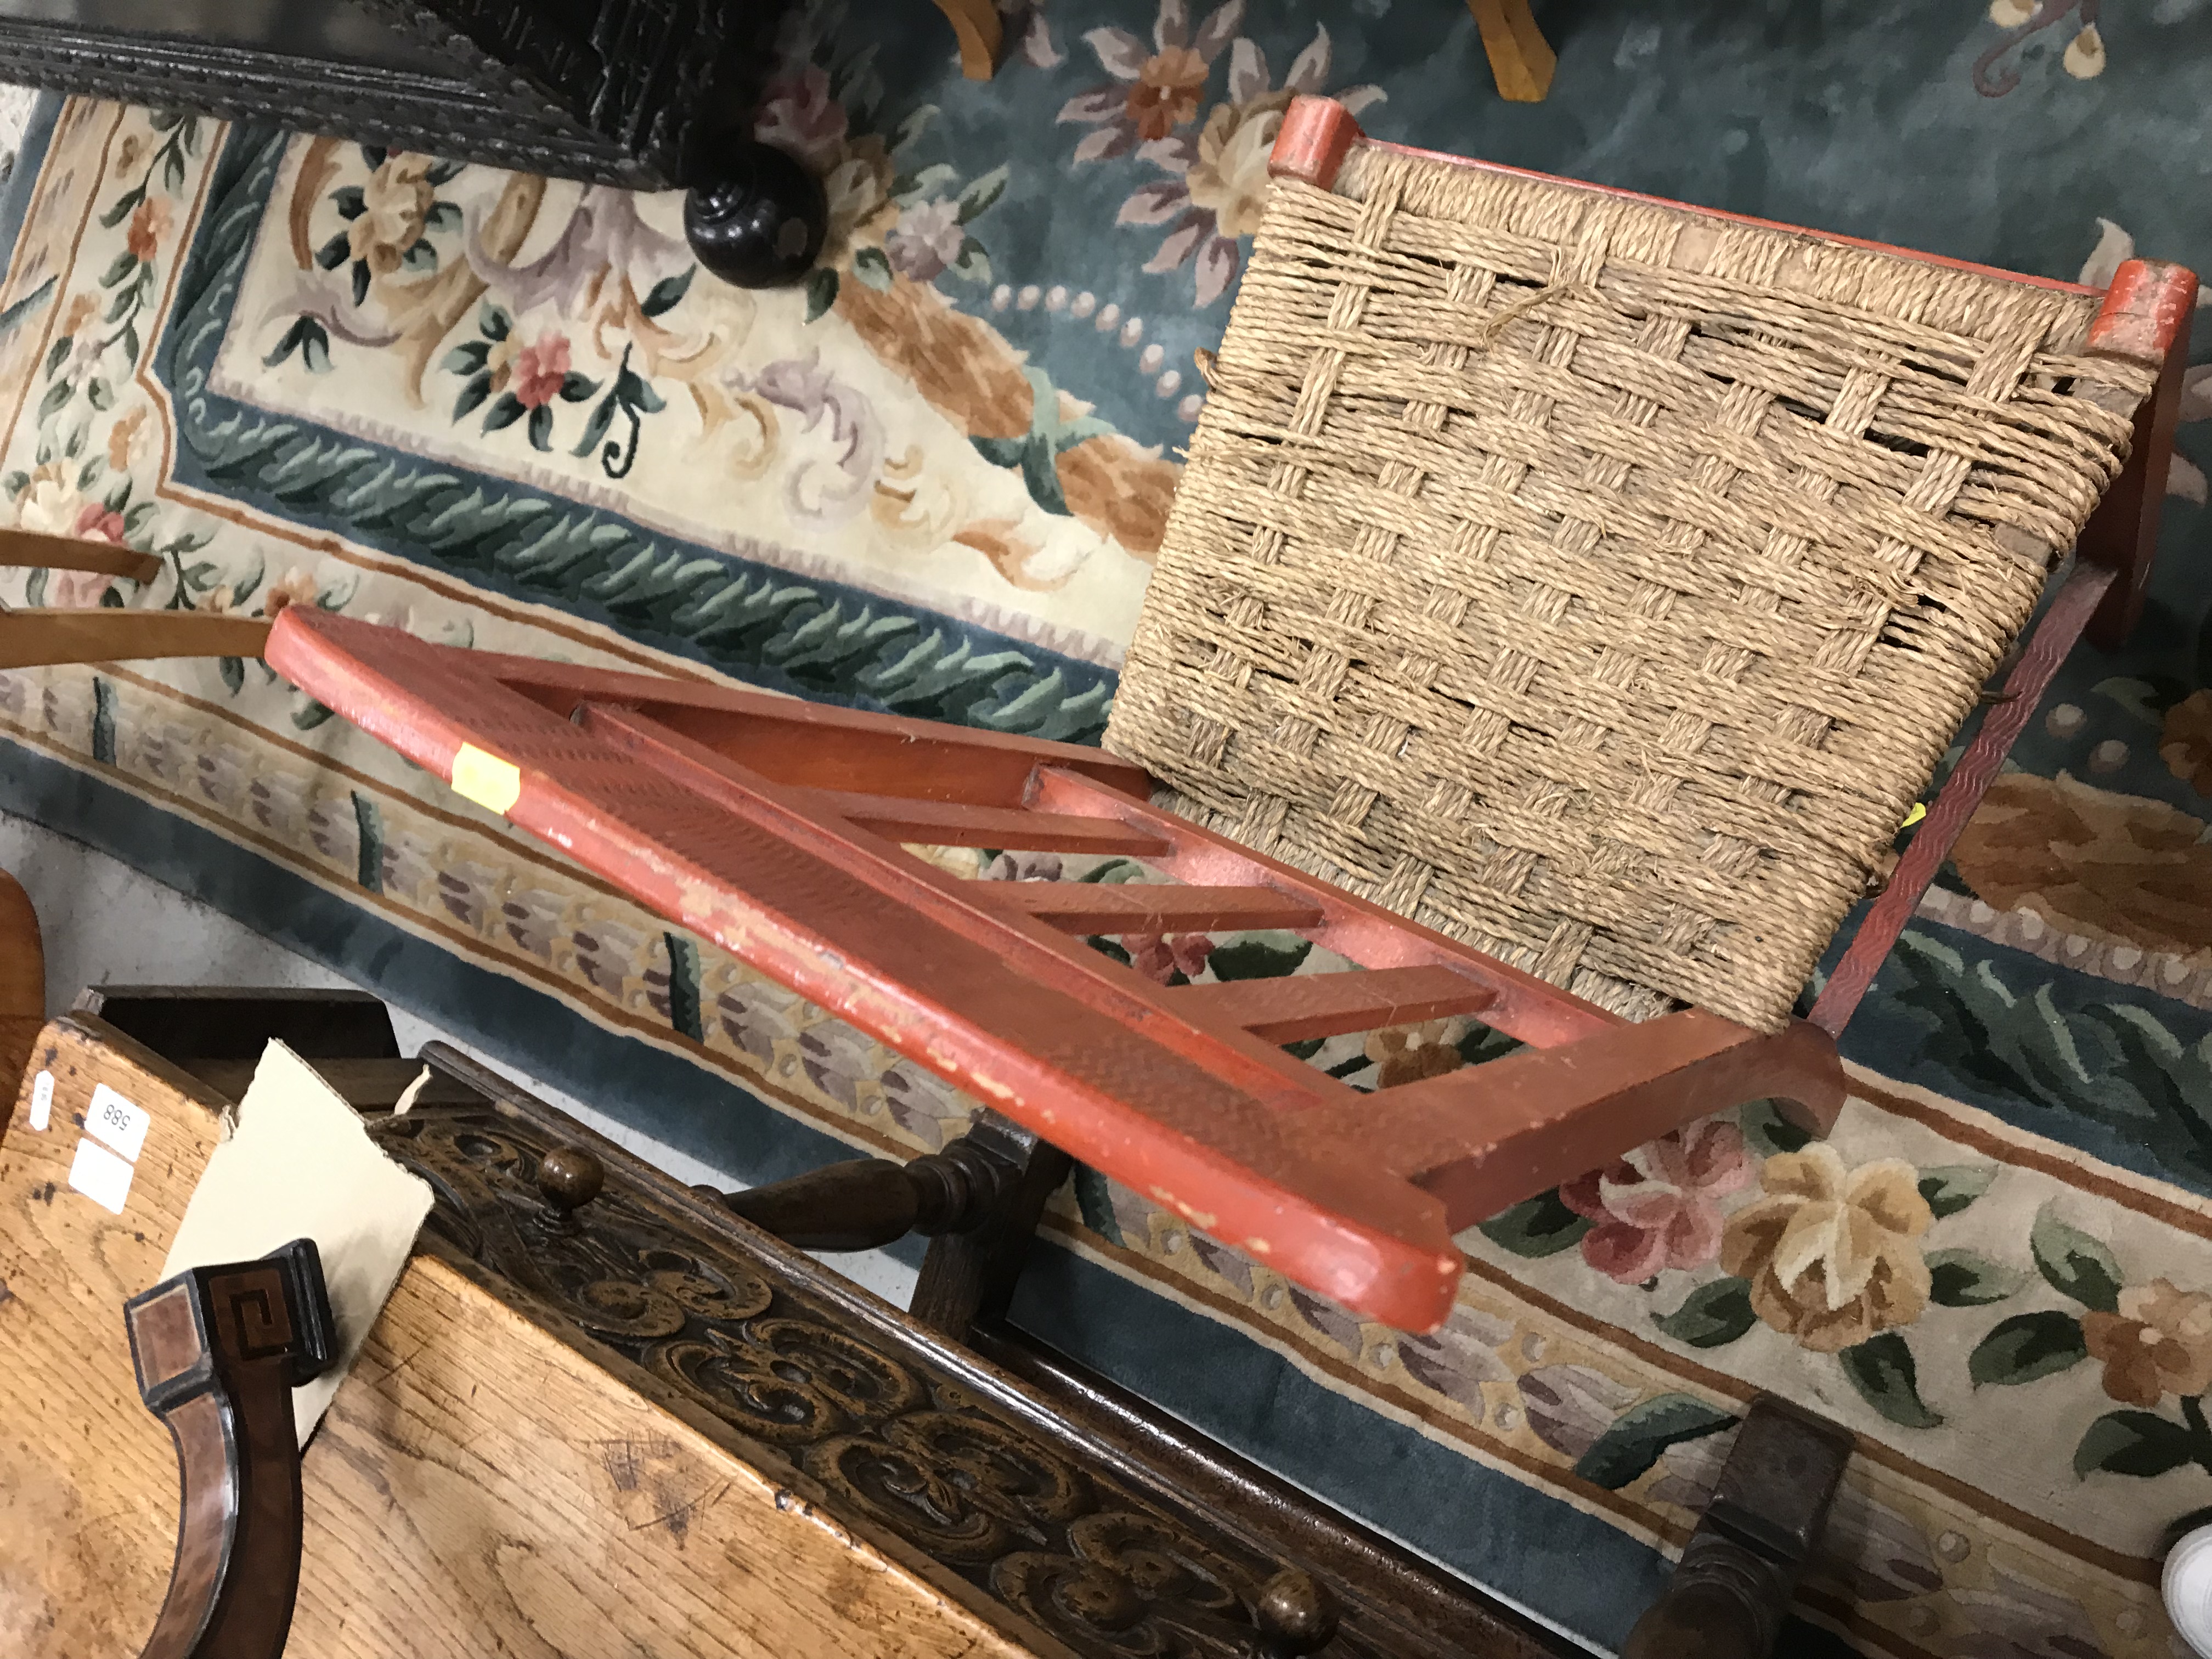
{"x": 570, "y": 1178}
{"x": 1295, "y": 1612}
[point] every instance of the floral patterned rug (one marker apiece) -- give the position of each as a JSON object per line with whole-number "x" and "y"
{"x": 504, "y": 412}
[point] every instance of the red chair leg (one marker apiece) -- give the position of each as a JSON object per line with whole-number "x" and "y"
{"x": 2146, "y": 317}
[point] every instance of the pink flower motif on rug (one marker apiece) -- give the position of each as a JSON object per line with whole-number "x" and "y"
{"x": 1153, "y": 93}
{"x": 1217, "y": 180}
{"x": 97, "y": 522}
{"x": 539, "y": 369}
{"x": 1658, "y": 1207}
{"x": 799, "y": 113}
{"x": 1161, "y": 957}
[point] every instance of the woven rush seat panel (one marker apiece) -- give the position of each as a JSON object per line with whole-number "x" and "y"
{"x": 1599, "y": 581}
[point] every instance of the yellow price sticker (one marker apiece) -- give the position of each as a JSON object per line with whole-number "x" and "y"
{"x": 492, "y": 783}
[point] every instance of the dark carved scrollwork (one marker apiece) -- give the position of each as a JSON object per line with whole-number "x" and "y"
{"x": 893, "y": 1438}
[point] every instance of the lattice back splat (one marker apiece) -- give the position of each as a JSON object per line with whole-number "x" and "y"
{"x": 776, "y": 828}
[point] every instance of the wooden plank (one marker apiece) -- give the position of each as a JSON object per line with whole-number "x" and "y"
{"x": 366, "y": 1086}
{"x": 956, "y": 824}
{"x": 22, "y": 988}
{"x": 1091, "y": 907}
{"x": 32, "y": 639}
{"x": 479, "y": 1486}
{"x": 976, "y": 26}
{"x": 89, "y": 1496}
{"x": 1308, "y": 1006}
{"x": 1521, "y": 60}
{"x": 814, "y": 745}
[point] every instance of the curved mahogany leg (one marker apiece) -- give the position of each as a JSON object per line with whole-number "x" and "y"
{"x": 976, "y": 24}
{"x": 22, "y": 988}
{"x": 1520, "y": 57}
{"x": 219, "y": 1350}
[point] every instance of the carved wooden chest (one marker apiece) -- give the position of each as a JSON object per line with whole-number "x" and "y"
{"x": 635, "y": 1426}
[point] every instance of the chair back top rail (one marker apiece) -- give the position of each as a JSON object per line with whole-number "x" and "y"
{"x": 1317, "y": 133}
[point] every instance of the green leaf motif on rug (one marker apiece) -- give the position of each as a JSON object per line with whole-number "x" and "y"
{"x": 2075, "y": 1264}
{"x": 1950, "y": 1188}
{"x": 1637, "y": 1438}
{"x": 103, "y": 721}
{"x": 683, "y": 987}
{"x": 1712, "y": 1315}
{"x": 1535, "y": 1228}
{"x": 2142, "y": 1445}
{"x": 368, "y": 825}
{"x": 2116, "y": 1063}
{"x": 1768, "y": 1133}
{"x": 1967, "y": 1278}
{"x": 1037, "y": 454}
{"x": 1256, "y": 959}
{"x": 1884, "y": 1372}
{"x": 2027, "y": 1346}
{"x": 1095, "y": 1204}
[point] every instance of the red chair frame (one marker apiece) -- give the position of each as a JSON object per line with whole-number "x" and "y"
{"x": 774, "y": 828}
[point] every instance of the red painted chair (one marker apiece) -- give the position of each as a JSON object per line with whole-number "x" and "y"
{"x": 776, "y": 828}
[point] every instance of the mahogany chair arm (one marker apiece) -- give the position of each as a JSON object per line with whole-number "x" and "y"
{"x": 218, "y": 1352}
{"x": 35, "y": 549}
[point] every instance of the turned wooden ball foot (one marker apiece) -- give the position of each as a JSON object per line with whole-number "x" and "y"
{"x": 755, "y": 217}
{"x": 1296, "y": 1613}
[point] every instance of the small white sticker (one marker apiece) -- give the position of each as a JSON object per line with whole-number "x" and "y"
{"x": 116, "y": 1121}
{"x": 42, "y": 1100}
{"x": 101, "y": 1175}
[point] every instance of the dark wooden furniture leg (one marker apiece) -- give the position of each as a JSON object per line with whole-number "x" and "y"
{"x": 219, "y": 1350}
{"x": 1732, "y": 1587}
{"x": 978, "y": 1201}
{"x": 967, "y": 1277}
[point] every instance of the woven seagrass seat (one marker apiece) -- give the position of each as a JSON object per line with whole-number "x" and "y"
{"x": 1598, "y": 580}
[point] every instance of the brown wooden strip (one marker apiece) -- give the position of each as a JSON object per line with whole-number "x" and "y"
{"x": 21, "y": 548}
{"x": 1087, "y": 907}
{"x": 957, "y": 823}
{"x": 1324, "y": 1004}
{"x": 32, "y": 639}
